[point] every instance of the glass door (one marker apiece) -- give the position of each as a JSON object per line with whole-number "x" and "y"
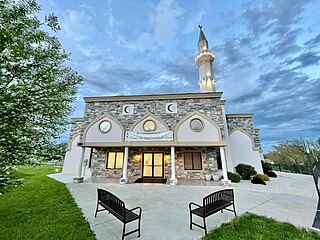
{"x": 147, "y": 164}
{"x": 153, "y": 165}
{"x": 158, "y": 165}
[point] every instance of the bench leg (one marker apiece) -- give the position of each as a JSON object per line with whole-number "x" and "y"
{"x": 234, "y": 209}
{"x": 205, "y": 226}
{"x": 95, "y": 215}
{"x": 123, "y": 230}
{"x": 139, "y": 226}
{"x": 190, "y": 220}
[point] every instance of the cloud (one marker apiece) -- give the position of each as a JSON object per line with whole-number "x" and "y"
{"x": 306, "y": 59}
{"x": 183, "y": 68}
{"x": 77, "y": 25}
{"x": 167, "y": 12}
{"x": 193, "y": 20}
{"x": 273, "y": 16}
{"x": 284, "y": 45}
{"x": 313, "y": 43}
{"x": 109, "y": 14}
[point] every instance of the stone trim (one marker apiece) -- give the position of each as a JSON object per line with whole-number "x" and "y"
{"x": 153, "y": 97}
{"x": 144, "y": 117}
{"x": 97, "y": 119}
{"x": 155, "y": 144}
{"x": 223, "y": 102}
{"x": 71, "y": 140}
{"x": 190, "y": 115}
{"x": 76, "y": 119}
{"x": 254, "y": 148}
{"x": 242, "y": 115}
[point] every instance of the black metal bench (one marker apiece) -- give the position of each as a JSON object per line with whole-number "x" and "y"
{"x": 211, "y": 204}
{"x": 116, "y": 207}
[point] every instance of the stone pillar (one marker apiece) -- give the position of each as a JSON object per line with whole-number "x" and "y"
{"x": 173, "y": 179}
{"x": 79, "y": 178}
{"x": 225, "y": 179}
{"x": 124, "y": 178}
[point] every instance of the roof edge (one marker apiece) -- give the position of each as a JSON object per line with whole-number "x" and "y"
{"x": 153, "y": 97}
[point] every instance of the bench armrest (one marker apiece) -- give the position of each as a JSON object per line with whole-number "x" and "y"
{"x": 192, "y": 203}
{"x": 140, "y": 210}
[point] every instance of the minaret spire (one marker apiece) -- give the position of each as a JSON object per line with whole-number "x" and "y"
{"x": 204, "y": 61}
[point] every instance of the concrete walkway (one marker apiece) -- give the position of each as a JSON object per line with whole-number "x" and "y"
{"x": 290, "y": 197}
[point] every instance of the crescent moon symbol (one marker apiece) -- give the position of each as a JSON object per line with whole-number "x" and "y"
{"x": 169, "y": 108}
{"x": 125, "y": 109}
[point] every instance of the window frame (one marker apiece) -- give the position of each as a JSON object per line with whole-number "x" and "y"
{"x": 115, "y": 160}
{"x": 192, "y": 161}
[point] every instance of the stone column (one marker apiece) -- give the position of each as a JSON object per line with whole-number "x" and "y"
{"x": 173, "y": 179}
{"x": 79, "y": 178}
{"x": 225, "y": 179}
{"x": 124, "y": 178}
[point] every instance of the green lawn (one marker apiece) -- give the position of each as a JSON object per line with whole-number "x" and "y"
{"x": 41, "y": 209}
{"x": 259, "y": 228}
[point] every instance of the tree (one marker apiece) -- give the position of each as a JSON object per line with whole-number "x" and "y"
{"x": 54, "y": 151}
{"x": 296, "y": 151}
{"x": 36, "y": 86}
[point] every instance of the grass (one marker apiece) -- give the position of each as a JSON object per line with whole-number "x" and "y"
{"x": 255, "y": 227}
{"x": 41, "y": 209}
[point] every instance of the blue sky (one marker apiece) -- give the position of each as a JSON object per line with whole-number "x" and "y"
{"x": 267, "y": 54}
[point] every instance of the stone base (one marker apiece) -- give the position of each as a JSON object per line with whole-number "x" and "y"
{"x": 173, "y": 181}
{"x": 225, "y": 182}
{"x": 78, "y": 180}
{"x": 123, "y": 181}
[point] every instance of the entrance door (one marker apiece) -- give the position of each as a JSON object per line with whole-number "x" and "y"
{"x": 153, "y": 165}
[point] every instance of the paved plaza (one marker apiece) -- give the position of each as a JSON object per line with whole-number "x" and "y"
{"x": 290, "y": 197}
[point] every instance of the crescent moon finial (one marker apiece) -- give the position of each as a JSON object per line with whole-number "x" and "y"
{"x": 200, "y": 26}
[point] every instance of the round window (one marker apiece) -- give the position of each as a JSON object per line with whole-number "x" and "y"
{"x": 149, "y": 125}
{"x": 105, "y": 126}
{"x": 196, "y": 125}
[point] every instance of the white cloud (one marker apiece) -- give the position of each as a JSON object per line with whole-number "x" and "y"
{"x": 109, "y": 14}
{"x": 167, "y": 12}
{"x": 77, "y": 26}
{"x": 193, "y": 21}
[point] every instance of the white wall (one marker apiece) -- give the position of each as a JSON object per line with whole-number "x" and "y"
{"x": 94, "y": 134}
{"x": 73, "y": 157}
{"x": 242, "y": 150}
{"x": 160, "y": 126}
{"x": 209, "y": 133}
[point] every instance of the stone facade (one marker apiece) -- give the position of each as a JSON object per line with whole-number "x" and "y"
{"x": 76, "y": 127}
{"x": 209, "y": 161}
{"x": 209, "y": 107}
{"x": 245, "y": 124}
{"x": 100, "y": 172}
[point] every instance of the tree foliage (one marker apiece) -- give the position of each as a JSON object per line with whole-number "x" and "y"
{"x": 296, "y": 151}
{"x": 36, "y": 86}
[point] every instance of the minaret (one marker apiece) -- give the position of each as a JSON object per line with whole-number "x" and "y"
{"x": 204, "y": 61}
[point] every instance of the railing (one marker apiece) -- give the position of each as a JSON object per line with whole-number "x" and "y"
{"x": 293, "y": 168}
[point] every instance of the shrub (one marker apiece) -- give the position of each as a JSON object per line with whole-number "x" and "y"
{"x": 245, "y": 171}
{"x": 271, "y": 174}
{"x": 234, "y": 177}
{"x": 264, "y": 177}
{"x": 257, "y": 180}
{"x": 266, "y": 167}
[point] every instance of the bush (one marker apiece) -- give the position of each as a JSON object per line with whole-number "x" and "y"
{"x": 245, "y": 171}
{"x": 257, "y": 180}
{"x": 234, "y": 177}
{"x": 271, "y": 174}
{"x": 264, "y": 177}
{"x": 266, "y": 167}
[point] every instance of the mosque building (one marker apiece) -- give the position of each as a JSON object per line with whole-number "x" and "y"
{"x": 170, "y": 138}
